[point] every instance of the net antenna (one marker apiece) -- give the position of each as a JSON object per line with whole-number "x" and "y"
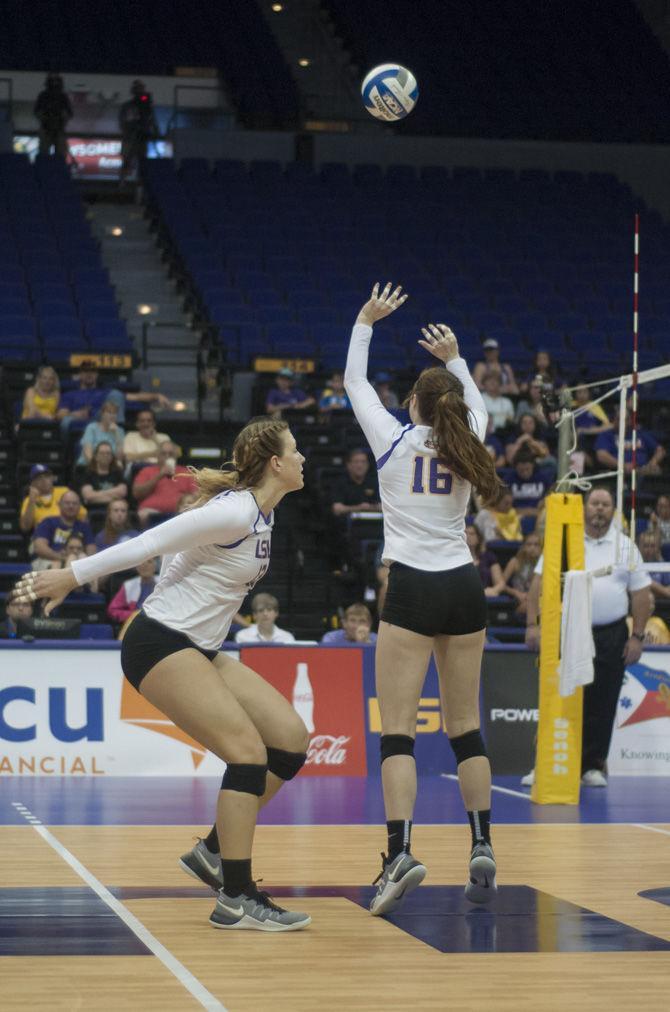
{"x": 563, "y": 417}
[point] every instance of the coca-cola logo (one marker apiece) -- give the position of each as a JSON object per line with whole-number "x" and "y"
{"x": 327, "y": 750}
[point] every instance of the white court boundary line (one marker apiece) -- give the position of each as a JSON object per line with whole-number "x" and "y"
{"x": 170, "y": 962}
{"x": 503, "y": 790}
{"x": 652, "y": 829}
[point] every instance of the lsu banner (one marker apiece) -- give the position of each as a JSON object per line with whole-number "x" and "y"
{"x": 641, "y": 737}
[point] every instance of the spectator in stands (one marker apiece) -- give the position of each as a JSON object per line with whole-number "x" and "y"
{"x": 500, "y": 409}
{"x": 591, "y": 422}
{"x": 649, "y": 544}
{"x": 14, "y": 611}
{"x": 85, "y": 401}
{"x": 518, "y": 574}
{"x": 660, "y": 519}
{"x": 494, "y": 446}
{"x": 531, "y": 404}
{"x": 51, "y": 535}
{"x": 357, "y": 490}
{"x": 650, "y": 453}
{"x": 106, "y": 430}
{"x": 133, "y": 593}
{"x": 265, "y": 611}
{"x": 159, "y": 487}
{"x": 117, "y": 527}
{"x": 356, "y": 628}
{"x": 492, "y": 363}
{"x": 43, "y": 498}
{"x": 334, "y": 396}
{"x": 488, "y": 566}
{"x": 102, "y": 480}
{"x": 528, "y": 437}
{"x": 52, "y": 110}
{"x": 500, "y": 522}
{"x": 543, "y": 365}
{"x": 142, "y": 444}
{"x": 41, "y": 399}
{"x": 529, "y": 485}
{"x": 285, "y": 395}
{"x": 385, "y": 392}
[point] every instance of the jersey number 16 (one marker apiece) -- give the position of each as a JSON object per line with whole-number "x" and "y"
{"x": 439, "y": 477}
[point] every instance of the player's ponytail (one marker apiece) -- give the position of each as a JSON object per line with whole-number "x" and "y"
{"x": 441, "y": 405}
{"x": 254, "y": 446}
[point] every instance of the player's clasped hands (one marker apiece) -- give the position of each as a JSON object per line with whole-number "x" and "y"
{"x": 53, "y": 584}
{"x": 381, "y": 304}
{"x": 440, "y": 341}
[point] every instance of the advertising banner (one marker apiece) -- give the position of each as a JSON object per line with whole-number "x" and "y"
{"x": 641, "y": 737}
{"x": 325, "y": 685}
{"x": 71, "y": 712}
{"x": 509, "y": 710}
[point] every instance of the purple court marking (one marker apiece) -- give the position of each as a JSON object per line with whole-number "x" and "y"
{"x": 142, "y": 801}
{"x": 658, "y": 895}
{"x": 521, "y": 919}
{"x": 62, "y": 922}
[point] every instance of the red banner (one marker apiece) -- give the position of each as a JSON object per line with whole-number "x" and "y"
{"x": 325, "y": 686}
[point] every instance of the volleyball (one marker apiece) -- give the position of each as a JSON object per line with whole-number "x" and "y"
{"x": 389, "y": 92}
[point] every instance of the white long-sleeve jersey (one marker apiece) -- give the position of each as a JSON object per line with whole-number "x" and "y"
{"x": 212, "y": 556}
{"x": 423, "y": 502}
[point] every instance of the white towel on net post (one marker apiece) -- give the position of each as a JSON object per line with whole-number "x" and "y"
{"x": 575, "y": 667}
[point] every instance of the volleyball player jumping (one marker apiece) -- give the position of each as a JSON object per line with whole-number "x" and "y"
{"x": 213, "y": 555}
{"x": 435, "y": 602}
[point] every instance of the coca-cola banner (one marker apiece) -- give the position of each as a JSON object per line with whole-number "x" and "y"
{"x": 325, "y": 685}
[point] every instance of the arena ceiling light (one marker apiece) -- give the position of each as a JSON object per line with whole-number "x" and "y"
{"x": 304, "y": 62}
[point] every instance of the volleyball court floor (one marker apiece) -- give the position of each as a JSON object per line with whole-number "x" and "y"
{"x": 96, "y": 914}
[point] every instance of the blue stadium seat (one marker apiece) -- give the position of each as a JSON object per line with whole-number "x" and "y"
{"x": 96, "y": 631}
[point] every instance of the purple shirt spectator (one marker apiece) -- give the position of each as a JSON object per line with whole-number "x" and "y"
{"x": 285, "y": 398}
{"x": 339, "y": 638}
{"x": 57, "y": 532}
{"x": 646, "y": 446}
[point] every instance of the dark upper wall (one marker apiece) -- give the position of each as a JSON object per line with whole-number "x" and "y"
{"x": 551, "y": 70}
{"x": 154, "y": 37}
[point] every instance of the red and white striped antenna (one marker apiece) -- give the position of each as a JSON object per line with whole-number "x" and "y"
{"x": 633, "y": 472}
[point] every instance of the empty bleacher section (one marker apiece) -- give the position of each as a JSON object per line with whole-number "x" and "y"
{"x": 55, "y": 295}
{"x": 552, "y": 71}
{"x": 279, "y": 261}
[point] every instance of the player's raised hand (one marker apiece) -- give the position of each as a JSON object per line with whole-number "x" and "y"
{"x": 381, "y": 304}
{"x": 440, "y": 341}
{"x": 54, "y": 584}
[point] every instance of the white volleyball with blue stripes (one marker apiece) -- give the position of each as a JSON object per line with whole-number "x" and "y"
{"x": 389, "y": 92}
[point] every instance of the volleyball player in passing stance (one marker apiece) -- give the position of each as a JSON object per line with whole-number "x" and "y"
{"x": 212, "y": 555}
{"x": 435, "y": 601}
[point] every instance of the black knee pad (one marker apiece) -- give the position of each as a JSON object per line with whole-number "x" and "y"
{"x": 285, "y": 765}
{"x": 247, "y": 778}
{"x": 468, "y": 746}
{"x": 396, "y": 744}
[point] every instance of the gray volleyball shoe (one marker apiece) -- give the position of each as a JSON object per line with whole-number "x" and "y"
{"x": 202, "y": 864}
{"x": 254, "y": 910}
{"x": 396, "y": 878}
{"x": 481, "y": 887}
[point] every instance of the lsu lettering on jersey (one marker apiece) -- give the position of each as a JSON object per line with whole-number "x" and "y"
{"x": 423, "y": 502}
{"x": 212, "y": 557}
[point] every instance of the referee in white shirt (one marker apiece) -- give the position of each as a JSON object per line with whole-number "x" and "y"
{"x": 615, "y": 649}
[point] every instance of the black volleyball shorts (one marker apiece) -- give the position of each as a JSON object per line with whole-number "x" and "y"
{"x": 147, "y": 642}
{"x": 449, "y": 602}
